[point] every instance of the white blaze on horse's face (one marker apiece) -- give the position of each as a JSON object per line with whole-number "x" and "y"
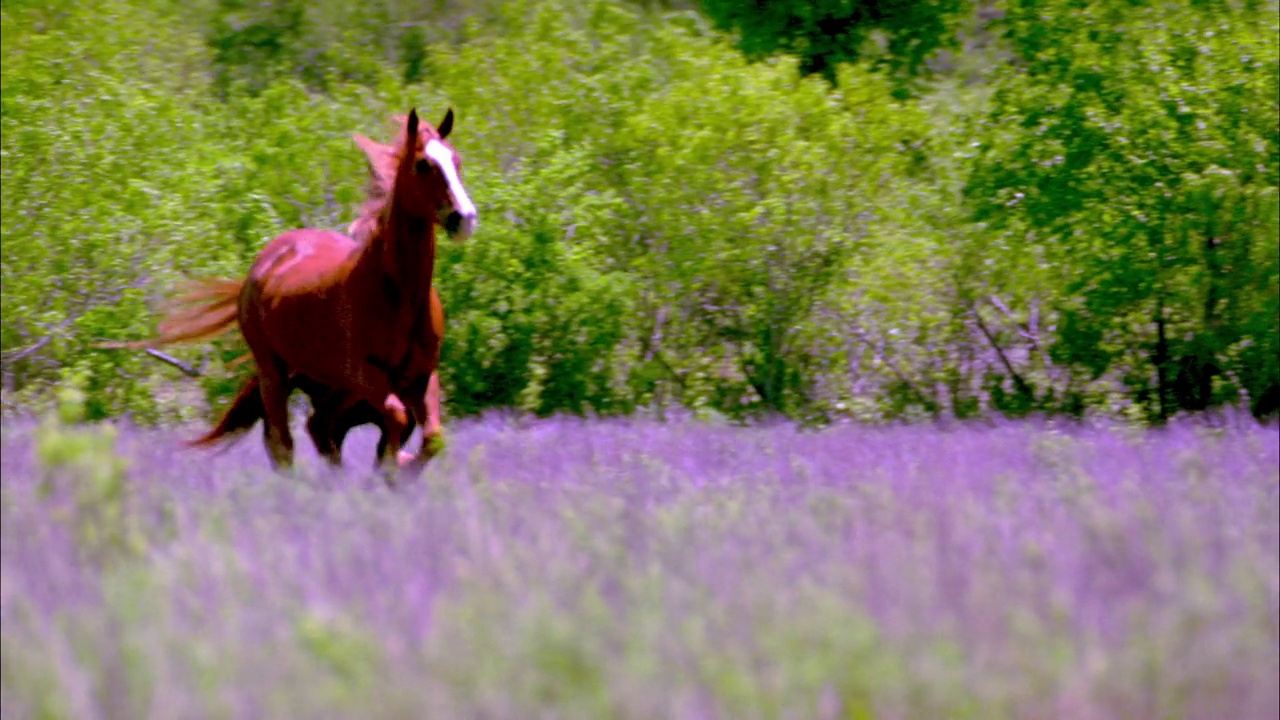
{"x": 462, "y": 206}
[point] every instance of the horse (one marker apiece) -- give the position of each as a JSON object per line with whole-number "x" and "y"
{"x": 330, "y": 422}
{"x": 334, "y": 414}
{"x": 354, "y": 321}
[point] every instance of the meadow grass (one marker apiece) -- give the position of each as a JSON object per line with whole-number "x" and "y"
{"x": 630, "y": 569}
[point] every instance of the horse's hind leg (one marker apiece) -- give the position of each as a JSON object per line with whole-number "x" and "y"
{"x": 347, "y": 420}
{"x": 328, "y": 425}
{"x": 335, "y": 414}
{"x": 346, "y": 416}
{"x": 274, "y": 386}
{"x": 320, "y": 428}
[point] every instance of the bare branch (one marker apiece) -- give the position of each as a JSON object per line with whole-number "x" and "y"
{"x": 1025, "y": 330}
{"x": 1029, "y": 331}
{"x": 114, "y": 294}
{"x": 995, "y": 300}
{"x": 19, "y": 354}
{"x": 1018, "y": 382}
{"x": 175, "y": 362}
{"x": 860, "y": 335}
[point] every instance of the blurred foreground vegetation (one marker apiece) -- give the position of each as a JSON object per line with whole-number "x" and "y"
{"x": 634, "y": 569}
{"x": 1027, "y": 206}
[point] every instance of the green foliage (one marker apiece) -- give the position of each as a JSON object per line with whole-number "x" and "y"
{"x": 1133, "y": 155}
{"x": 900, "y": 36}
{"x": 82, "y": 463}
{"x": 348, "y": 655}
{"x": 89, "y": 108}
{"x": 1091, "y": 226}
{"x": 536, "y": 313}
{"x": 748, "y": 229}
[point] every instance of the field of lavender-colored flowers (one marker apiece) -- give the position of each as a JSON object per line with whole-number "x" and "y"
{"x": 639, "y": 570}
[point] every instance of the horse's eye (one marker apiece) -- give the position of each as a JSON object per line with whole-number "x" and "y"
{"x": 423, "y": 166}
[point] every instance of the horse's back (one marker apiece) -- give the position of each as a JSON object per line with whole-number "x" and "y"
{"x": 291, "y": 299}
{"x": 301, "y": 260}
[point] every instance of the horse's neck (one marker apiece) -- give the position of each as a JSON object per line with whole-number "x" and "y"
{"x": 401, "y": 250}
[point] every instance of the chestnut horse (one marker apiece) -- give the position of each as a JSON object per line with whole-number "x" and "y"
{"x": 355, "y": 322}
{"x": 334, "y": 413}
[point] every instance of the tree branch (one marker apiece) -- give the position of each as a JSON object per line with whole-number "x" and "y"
{"x": 1019, "y": 383}
{"x": 19, "y": 354}
{"x": 115, "y": 296}
{"x": 1026, "y": 331}
{"x": 175, "y": 362}
{"x": 861, "y": 336}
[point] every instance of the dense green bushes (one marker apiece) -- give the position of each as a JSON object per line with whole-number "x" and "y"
{"x": 1091, "y": 226}
{"x": 1140, "y": 169}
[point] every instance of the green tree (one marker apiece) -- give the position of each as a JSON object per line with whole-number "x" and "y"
{"x": 755, "y": 191}
{"x": 1092, "y": 226}
{"x": 898, "y": 36}
{"x": 1132, "y": 153}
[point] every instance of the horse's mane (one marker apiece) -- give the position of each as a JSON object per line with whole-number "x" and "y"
{"x": 384, "y": 160}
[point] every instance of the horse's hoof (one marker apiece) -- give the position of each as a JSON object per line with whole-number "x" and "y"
{"x": 435, "y": 445}
{"x": 404, "y": 457}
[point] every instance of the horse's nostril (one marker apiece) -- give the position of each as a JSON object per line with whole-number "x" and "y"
{"x": 453, "y": 221}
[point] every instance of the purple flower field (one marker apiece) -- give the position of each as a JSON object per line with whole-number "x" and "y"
{"x": 576, "y": 569}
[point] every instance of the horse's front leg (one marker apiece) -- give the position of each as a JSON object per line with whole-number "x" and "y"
{"x": 405, "y": 434}
{"x": 395, "y": 418}
{"x": 355, "y": 413}
{"x": 426, "y": 408}
{"x": 336, "y": 414}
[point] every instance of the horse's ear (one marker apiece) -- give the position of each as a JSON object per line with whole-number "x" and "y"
{"x": 413, "y": 124}
{"x": 446, "y": 124}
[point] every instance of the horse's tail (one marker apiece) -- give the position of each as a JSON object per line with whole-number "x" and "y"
{"x": 244, "y": 411}
{"x": 203, "y": 309}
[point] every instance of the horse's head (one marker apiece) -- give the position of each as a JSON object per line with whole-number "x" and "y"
{"x": 424, "y": 174}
